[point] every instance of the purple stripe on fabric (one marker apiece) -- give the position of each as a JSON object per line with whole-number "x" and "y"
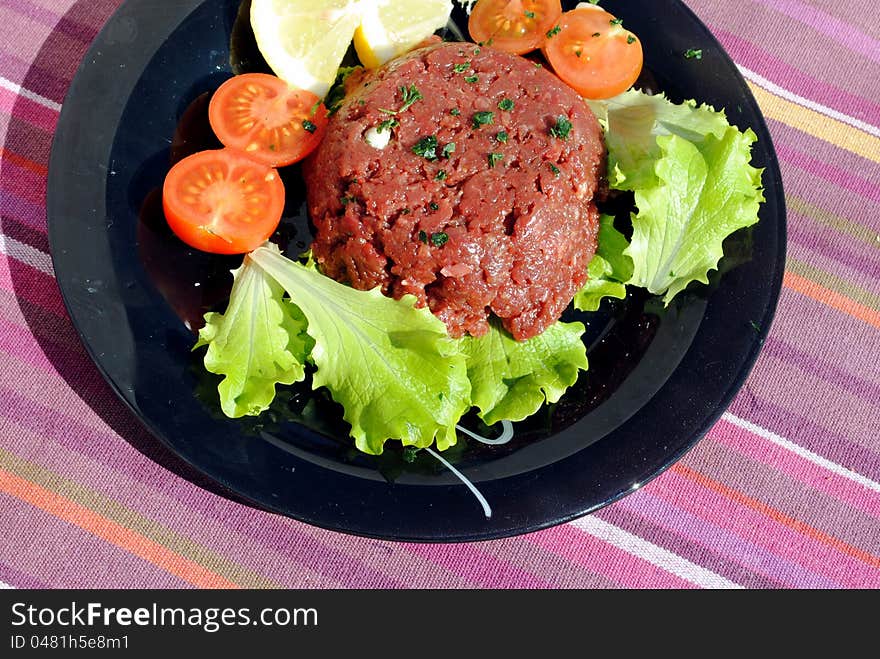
{"x": 59, "y": 23}
{"x": 92, "y": 443}
{"x": 801, "y": 430}
{"x": 840, "y": 177}
{"x": 30, "y": 215}
{"x": 822, "y": 368}
{"x": 709, "y": 557}
{"x": 40, "y": 80}
{"x": 56, "y": 552}
{"x": 21, "y": 232}
{"x": 738, "y": 551}
{"x": 830, "y": 26}
{"x": 855, "y": 261}
{"x": 816, "y": 191}
{"x": 786, "y": 76}
{"x": 23, "y": 183}
{"x": 28, "y": 141}
{"x": 19, "y": 579}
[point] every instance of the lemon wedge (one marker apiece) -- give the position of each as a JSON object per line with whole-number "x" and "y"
{"x": 392, "y": 27}
{"x": 304, "y": 41}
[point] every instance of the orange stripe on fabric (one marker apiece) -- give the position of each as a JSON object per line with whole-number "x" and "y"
{"x": 830, "y": 298}
{"x": 110, "y": 531}
{"x": 777, "y": 516}
{"x": 23, "y": 162}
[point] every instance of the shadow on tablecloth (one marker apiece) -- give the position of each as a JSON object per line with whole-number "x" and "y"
{"x": 38, "y": 295}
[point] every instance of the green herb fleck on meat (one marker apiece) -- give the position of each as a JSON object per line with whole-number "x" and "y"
{"x": 471, "y": 79}
{"x": 434, "y": 206}
{"x": 495, "y": 158}
{"x": 461, "y": 68}
{"x": 388, "y": 124}
{"x": 423, "y": 236}
{"x": 616, "y": 21}
{"x": 448, "y": 150}
{"x": 502, "y": 136}
{"x": 554, "y": 169}
{"x": 455, "y": 112}
{"x": 410, "y": 95}
{"x": 309, "y": 126}
{"x": 505, "y": 104}
{"x": 552, "y": 33}
{"x": 426, "y": 148}
{"x": 439, "y": 239}
{"x": 562, "y": 128}
{"x": 441, "y": 175}
{"x": 530, "y": 14}
{"x": 630, "y": 39}
{"x": 483, "y": 119}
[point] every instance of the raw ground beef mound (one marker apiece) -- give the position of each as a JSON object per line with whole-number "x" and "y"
{"x": 468, "y": 233}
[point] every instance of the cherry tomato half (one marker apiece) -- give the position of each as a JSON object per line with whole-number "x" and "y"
{"x": 593, "y": 53}
{"x": 268, "y": 120}
{"x": 223, "y": 202}
{"x": 514, "y": 26}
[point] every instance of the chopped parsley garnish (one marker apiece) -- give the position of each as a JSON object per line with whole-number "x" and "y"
{"x": 406, "y": 211}
{"x": 461, "y": 68}
{"x": 554, "y": 169}
{"x": 630, "y": 39}
{"x": 505, "y": 104}
{"x": 346, "y": 200}
{"x": 309, "y": 126}
{"x": 410, "y": 95}
{"x": 530, "y": 14}
{"x": 693, "y": 53}
{"x": 471, "y": 79}
{"x": 552, "y": 33}
{"x": 502, "y": 136}
{"x": 439, "y": 239}
{"x": 578, "y": 53}
{"x": 495, "y": 158}
{"x": 435, "y": 206}
{"x": 423, "y": 236}
{"x": 616, "y": 21}
{"x": 448, "y": 150}
{"x": 426, "y": 148}
{"x": 477, "y": 51}
{"x": 388, "y": 124}
{"x": 483, "y": 119}
{"x": 562, "y": 129}
{"x": 455, "y": 112}
{"x": 441, "y": 175}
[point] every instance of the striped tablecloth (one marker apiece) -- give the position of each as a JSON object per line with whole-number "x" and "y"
{"x": 783, "y": 492}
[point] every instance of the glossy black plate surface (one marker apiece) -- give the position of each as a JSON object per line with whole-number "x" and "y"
{"x": 659, "y": 377}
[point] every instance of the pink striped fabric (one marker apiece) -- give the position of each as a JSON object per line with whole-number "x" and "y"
{"x": 784, "y": 492}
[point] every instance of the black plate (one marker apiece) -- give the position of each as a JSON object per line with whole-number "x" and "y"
{"x": 659, "y": 378}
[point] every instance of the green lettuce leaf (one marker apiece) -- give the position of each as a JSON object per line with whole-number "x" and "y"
{"x": 259, "y": 342}
{"x": 391, "y": 366}
{"x": 510, "y": 379}
{"x": 609, "y": 270}
{"x": 702, "y": 195}
{"x": 693, "y": 182}
{"x": 634, "y": 120}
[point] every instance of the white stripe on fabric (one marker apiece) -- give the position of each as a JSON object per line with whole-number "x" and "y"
{"x": 807, "y": 103}
{"x": 806, "y": 454}
{"x": 26, "y": 254}
{"x": 6, "y": 586}
{"x": 648, "y": 551}
{"x": 28, "y": 94}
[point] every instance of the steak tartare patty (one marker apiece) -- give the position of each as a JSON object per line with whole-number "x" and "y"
{"x": 480, "y": 202}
